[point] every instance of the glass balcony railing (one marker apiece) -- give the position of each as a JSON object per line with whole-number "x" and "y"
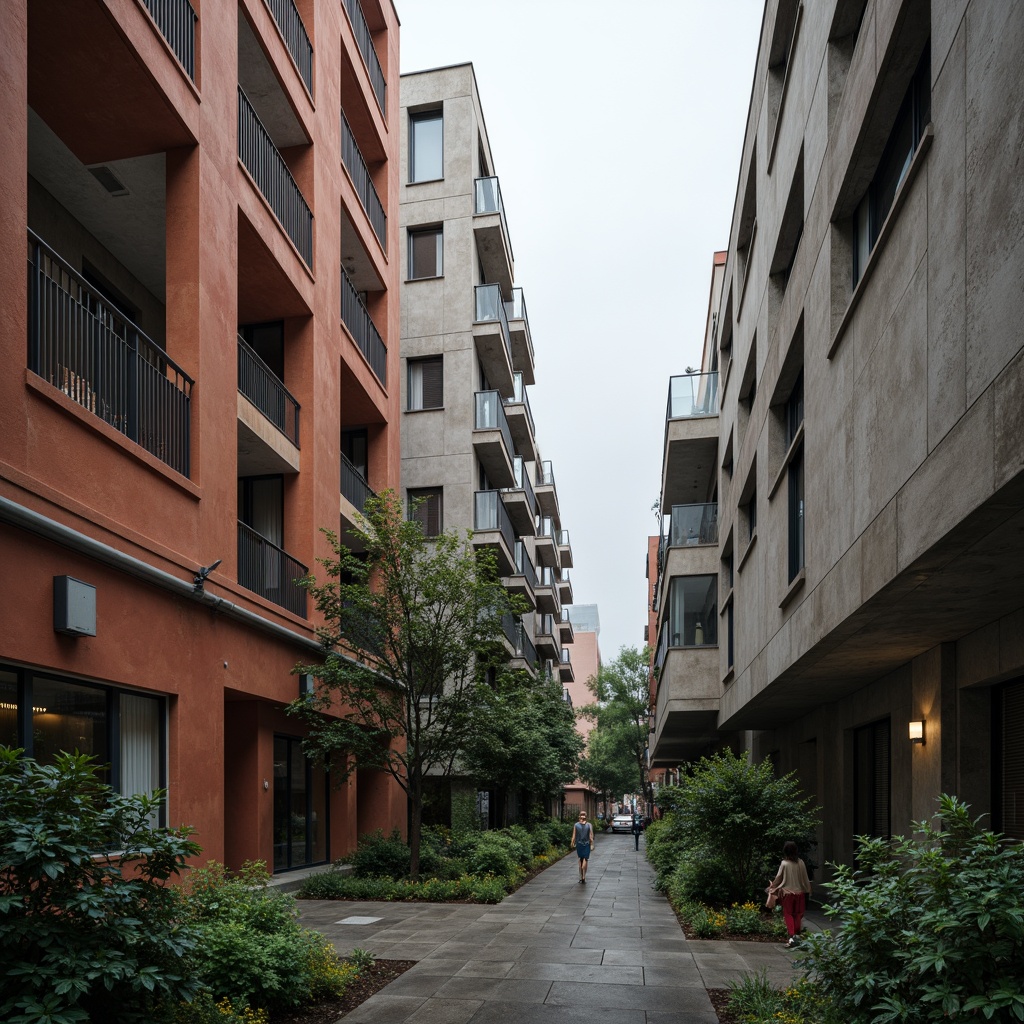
{"x": 270, "y": 571}
{"x": 490, "y": 415}
{"x": 693, "y": 394}
{"x": 268, "y": 169}
{"x": 521, "y": 397}
{"x": 261, "y": 386}
{"x": 359, "y": 322}
{"x": 176, "y": 20}
{"x": 354, "y": 163}
{"x": 489, "y": 513}
{"x": 693, "y": 524}
{"x": 524, "y": 567}
{"x": 523, "y": 483}
{"x": 487, "y": 193}
{"x": 364, "y": 41}
{"x": 546, "y": 624}
{"x": 516, "y": 308}
{"x": 566, "y": 657}
{"x": 296, "y": 38}
{"x": 85, "y": 347}
{"x": 563, "y": 538}
{"x": 546, "y": 527}
{"x": 490, "y": 308}
{"x": 547, "y": 577}
{"x": 354, "y": 487}
{"x": 547, "y": 475}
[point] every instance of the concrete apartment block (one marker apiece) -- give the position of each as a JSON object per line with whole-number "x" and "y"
{"x": 208, "y": 198}
{"x": 469, "y": 446}
{"x": 869, "y": 473}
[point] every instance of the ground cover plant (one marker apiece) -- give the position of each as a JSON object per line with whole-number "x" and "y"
{"x": 754, "y": 1000}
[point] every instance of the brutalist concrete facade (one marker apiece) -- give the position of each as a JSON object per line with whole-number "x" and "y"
{"x": 869, "y": 474}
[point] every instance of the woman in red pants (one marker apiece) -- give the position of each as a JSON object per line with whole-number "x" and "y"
{"x": 794, "y": 886}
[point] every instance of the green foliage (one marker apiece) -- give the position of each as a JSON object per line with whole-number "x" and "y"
{"x": 929, "y": 928}
{"x": 204, "y": 1009}
{"x": 252, "y": 949}
{"x": 745, "y": 919}
{"x": 380, "y": 856}
{"x": 754, "y": 1000}
{"x": 407, "y": 627}
{"x": 732, "y": 817}
{"x": 464, "y": 815}
{"x": 739, "y": 919}
{"x": 362, "y": 958}
{"x": 87, "y": 937}
{"x": 468, "y": 888}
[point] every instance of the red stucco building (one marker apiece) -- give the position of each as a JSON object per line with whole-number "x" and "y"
{"x": 199, "y": 349}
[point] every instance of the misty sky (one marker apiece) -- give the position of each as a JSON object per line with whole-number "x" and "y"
{"x": 616, "y": 131}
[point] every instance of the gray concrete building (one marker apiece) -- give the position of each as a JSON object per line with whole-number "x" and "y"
{"x": 469, "y": 447}
{"x": 842, "y": 568}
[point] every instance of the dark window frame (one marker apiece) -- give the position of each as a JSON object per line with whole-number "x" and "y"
{"x": 423, "y": 509}
{"x": 437, "y": 232}
{"x": 432, "y": 383}
{"x": 423, "y": 117}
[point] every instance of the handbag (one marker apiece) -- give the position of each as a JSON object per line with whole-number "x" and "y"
{"x": 772, "y": 899}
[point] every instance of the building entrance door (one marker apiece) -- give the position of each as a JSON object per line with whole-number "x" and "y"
{"x": 300, "y": 808}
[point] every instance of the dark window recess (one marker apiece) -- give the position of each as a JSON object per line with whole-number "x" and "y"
{"x": 751, "y": 508}
{"x": 425, "y": 508}
{"x": 267, "y": 341}
{"x": 426, "y": 253}
{"x": 1008, "y": 769}
{"x": 426, "y": 383}
{"x": 871, "y": 780}
{"x": 355, "y": 446}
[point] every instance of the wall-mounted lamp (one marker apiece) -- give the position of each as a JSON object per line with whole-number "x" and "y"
{"x": 917, "y": 732}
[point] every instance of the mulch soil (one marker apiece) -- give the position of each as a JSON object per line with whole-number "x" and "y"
{"x": 720, "y": 1002}
{"x": 372, "y": 980}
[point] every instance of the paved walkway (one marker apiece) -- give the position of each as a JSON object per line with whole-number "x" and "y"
{"x": 554, "y": 951}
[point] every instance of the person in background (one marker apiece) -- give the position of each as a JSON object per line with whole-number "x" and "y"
{"x": 582, "y": 840}
{"x": 793, "y": 885}
{"x": 638, "y": 827}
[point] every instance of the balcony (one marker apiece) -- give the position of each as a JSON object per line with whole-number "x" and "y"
{"x": 520, "y": 501}
{"x": 690, "y": 526}
{"x": 564, "y": 550}
{"x": 270, "y": 571}
{"x": 523, "y": 580}
{"x": 565, "y": 627}
{"x": 547, "y": 594}
{"x": 365, "y": 43}
{"x": 546, "y": 550}
{"x": 520, "y": 419}
{"x": 564, "y": 586}
{"x": 547, "y": 643}
{"x": 492, "y": 439}
{"x": 268, "y": 170}
{"x": 258, "y": 383}
{"x": 85, "y": 348}
{"x": 490, "y": 332}
{"x": 547, "y": 496}
{"x": 521, "y": 647}
{"x": 688, "y": 698}
{"x": 177, "y": 23}
{"x": 354, "y": 488}
{"x": 565, "y": 670}
{"x": 691, "y": 439}
{"x": 491, "y": 230}
{"x": 354, "y": 163}
{"x": 268, "y": 419}
{"x": 362, "y": 328}
{"x": 493, "y": 528}
{"x": 295, "y": 37}
{"x": 519, "y": 328}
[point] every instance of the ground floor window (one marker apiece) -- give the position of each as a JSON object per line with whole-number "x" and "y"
{"x": 46, "y": 715}
{"x": 871, "y": 780}
{"x": 300, "y": 807}
{"x": 1008, "y": 773}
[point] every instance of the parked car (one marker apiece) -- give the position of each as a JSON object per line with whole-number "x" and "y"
{"x": 622, "y": 823}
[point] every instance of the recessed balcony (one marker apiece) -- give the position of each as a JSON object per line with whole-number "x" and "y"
{"x": 296, "y": 38}
{"x": 492, "y": 439}
{"x": 564, "y": 549}
{"x": 270, "y": 571}
{"x": 491, "y": 231}
{"x": 520, "y": 500}
{"x": 565, "y": 627}
{"x": 565, "y": 669}
{"x": 177, "y": 20}
{"x": 520, "y": 419}
{"x": 268, "y": 418}
{"x": 564, "y": 586}
{"x": 490, "y": 334}
{"x": 547, "y": 496}
{"x": 364, "y": 41}
{"x": 547, "y": 593}
{"x": 546, "y": 549}
{"x": 691, "y": 439}
{"x": 522, "y": 341}
{"x": 523, "y": 580}
{"x": 520, "y": 646}
{"x": 493, "y": 528}
{"x": 364, "y": 332}
{"x": 548, "y": 645}
{"x": 355, "y": 492}
{"x": 352, "y": 158}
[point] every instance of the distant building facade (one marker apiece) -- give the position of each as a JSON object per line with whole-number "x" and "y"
{"x": 586, "y": 661}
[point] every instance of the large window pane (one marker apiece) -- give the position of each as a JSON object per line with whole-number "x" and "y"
{"x": 9, "y": 709}
{"x": 140, "y": 746}
{"x": 426, "y": 146}
{"x": 68, "y": 717}
{"x": 693, "y": 611}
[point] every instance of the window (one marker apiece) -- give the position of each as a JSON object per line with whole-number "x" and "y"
{"x": 47, "y": 715}
{"x": 693, "y": 611}
{"x": 426, "y": 146}
{"x": 907, "y": 131}
{"x": 871, "y": 790}
{"x": 426, "y": 253}
{"x": 426, "y": 383}
{"x": 750, "y": 510}
{"x": 794, "y": 420}
{"x": 729, "y": 660}
{"x": 425, "y": 508}
{"x": 1008, "y": 758}
{"x": 301, "y": 807}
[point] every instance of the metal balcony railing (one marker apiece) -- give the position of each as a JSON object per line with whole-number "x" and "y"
{"x": 524, "y": 567}
{"x": 547, "y": 475}
{"x": 523, "y": 483}
{"x": 520, "y": 397}
{"x": 263, "y": 388}
{"x": 490, "y": 415}
{"x": 510, "y": 627}
{"x": 354, "y": 163}
{"x": 693, "y": 394}
{"x": 365, "y": 43}
{"x": 490, "y": 307}
{"x": 693, "y": 524}
{"x": 261, "y": 159}
{"x": 177, "y": 23}
{"x": 356, "y": 318}
{"x": 353, "y": 484}
{"x": 487, "y": 193}
{"x": 270, "y": 571}
{"x": 489, "y": 513}
{"x": 296, "y": 38}
{"x": 85, "y": 347}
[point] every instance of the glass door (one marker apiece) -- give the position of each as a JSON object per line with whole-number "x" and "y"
{"x": 300, "y": 808}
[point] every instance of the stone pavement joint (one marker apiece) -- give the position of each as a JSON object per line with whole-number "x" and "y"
{"x": 554, "y": 952}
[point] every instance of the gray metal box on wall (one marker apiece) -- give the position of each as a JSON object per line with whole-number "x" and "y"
{"x": 74, "y": 606}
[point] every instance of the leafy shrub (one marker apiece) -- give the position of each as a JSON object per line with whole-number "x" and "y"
{"x": 522, "y": 842}
{"x": 744, "y": 919}
{"x": 754, "y": 1000}
{"x": 380, "y": 856}
{"x": 928, "y": 929}
{"x": 335, "y": 886}
{"x": 492, "y": 856}
{"x": 204, "y": 1009}
{"x": 699, "y": 879}
{"x": 705, "y": 922}
{"x": 362, "y": 958}
{"x": 86, "y": 937}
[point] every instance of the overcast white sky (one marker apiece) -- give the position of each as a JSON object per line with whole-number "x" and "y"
{"x": 616, "y": 130}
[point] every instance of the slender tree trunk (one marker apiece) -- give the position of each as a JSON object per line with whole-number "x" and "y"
{"x": 415, "y": 824}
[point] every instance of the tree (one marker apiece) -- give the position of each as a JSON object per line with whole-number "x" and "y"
{"x": 607, "y": 764}
{"x": 622, "y": 692}
{"x": 524, "y": 736}
{"x": 421, "y": 620}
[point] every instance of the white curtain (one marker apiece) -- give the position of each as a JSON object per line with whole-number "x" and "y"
{"x": 140, "y": 745}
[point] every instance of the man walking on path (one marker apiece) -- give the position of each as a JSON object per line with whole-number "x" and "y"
{"x": 582, "y": 840}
